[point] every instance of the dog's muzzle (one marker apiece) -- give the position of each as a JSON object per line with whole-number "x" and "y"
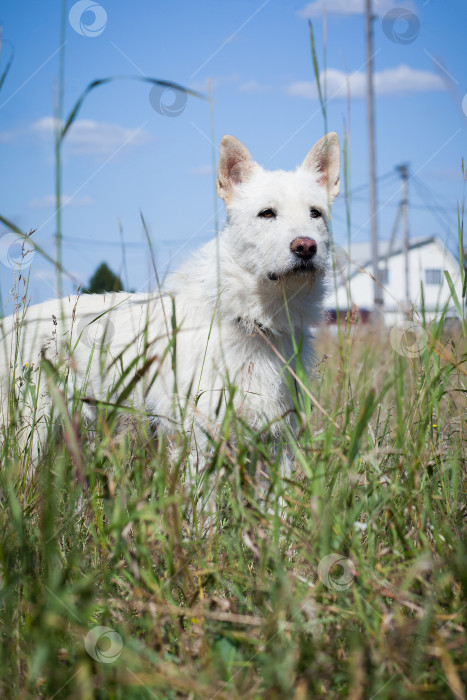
{"x": 303, "y": 251}
{"x": 298, "y": 268}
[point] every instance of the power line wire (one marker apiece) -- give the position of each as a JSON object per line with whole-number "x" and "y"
{"x": 433, "y": 195}
{"x": 380, "y": 178}
{"x": 95, "y": 241}
{"x": 430, "y": 207}
{"x": 443, "y": 223}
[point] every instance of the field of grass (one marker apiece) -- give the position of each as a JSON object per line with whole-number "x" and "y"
{"x": 247, "y": 602}
{"x": 347, "y": 580}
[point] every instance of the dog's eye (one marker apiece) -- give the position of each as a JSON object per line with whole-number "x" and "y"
{"x": 267, "y": 214}
{"x": 314, "y": 213}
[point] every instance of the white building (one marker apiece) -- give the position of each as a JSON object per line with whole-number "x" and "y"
{"x": 428, "y": 258}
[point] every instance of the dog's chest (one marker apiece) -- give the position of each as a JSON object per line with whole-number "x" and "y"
{"x": 257, "y": 371}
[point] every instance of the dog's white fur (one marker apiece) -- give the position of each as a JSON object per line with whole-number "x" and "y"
{"x": 236, "y": 290}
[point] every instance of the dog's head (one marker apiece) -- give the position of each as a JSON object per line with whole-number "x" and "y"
{"x": 279, "y": 220}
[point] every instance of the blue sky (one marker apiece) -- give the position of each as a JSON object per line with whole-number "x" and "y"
{"x": 122, "y": 156}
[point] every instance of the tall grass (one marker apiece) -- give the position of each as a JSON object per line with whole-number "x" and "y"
{"x": 230, "y": 604}
{"x": 240, "y": 600}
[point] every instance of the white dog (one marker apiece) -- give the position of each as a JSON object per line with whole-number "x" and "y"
{"x": 177, "y": 354}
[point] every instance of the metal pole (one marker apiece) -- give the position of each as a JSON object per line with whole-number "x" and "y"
{"x": 404, "y": 172}
{"x": 378, "y": 292}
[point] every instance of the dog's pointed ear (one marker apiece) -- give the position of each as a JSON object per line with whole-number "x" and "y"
{"x": 235, "y": 167}
{"x": 324, "y": 159}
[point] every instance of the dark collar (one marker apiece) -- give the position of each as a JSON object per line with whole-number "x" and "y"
{"x": 252, "y": 326}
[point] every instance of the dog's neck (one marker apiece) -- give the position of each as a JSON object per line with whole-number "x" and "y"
{"x": 252, "y": 305}
{"x": 250, "y": 327}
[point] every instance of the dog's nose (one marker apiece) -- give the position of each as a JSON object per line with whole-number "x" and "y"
{"x": 304, "y": 247}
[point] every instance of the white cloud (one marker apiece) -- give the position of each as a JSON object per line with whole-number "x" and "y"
{"x": 46, "y": 125}
{"x": 391, "y": 81}
{"x": 405, "y": 79}
{"x": 346, "y": 7}
{"x": 6, "y": 136}
{"x": 219, "y": 81}
{"x": 253, "y": 86}
{"x": 200, "y": 170}
{"x": 90, "y": 138}
{"x": 66, "y": 200}
{"x": 226, "y": 80}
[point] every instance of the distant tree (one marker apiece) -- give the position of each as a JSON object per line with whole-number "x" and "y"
{"x": 103, "y": 280}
